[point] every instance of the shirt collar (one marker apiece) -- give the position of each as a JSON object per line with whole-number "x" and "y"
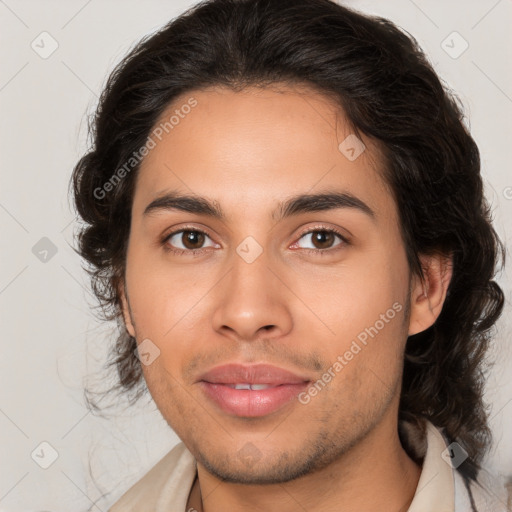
{"x": 435, "y": 491}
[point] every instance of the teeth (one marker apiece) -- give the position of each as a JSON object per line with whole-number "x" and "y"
{"x": 260, "y": 386}
{"x": 242, "y": 386}
{"x": 254, "y": 387}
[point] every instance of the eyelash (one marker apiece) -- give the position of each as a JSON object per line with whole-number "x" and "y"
{"x": 195, "y": 252}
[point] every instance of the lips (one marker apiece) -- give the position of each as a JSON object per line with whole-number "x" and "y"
{"x": 252, "y": 374}
{"x": 251, "y": 391}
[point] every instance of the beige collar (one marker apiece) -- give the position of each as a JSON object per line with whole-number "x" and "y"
{"x": 435, "y": 491}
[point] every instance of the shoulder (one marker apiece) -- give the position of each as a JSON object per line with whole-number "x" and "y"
{"x": 169, "y": 480}
{"x": 445, "y": 483}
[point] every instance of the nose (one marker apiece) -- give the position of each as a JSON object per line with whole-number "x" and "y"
{"x": 252, "y": 301}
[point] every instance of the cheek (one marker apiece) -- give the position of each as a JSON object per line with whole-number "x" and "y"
{"x": 364, "y": 308}
{"x": 166, "y": 303}
{"x": 364, "y": 359}
{"x": 161, "y": 295}
{"x": 353, "y": 298}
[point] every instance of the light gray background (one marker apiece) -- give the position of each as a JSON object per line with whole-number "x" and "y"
{"x": 50, "y": 339}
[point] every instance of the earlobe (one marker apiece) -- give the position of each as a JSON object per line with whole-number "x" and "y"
{"x": 428, "y": 294}
{"x": 127, "y": 316}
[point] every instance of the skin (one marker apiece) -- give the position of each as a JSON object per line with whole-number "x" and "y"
{"x": 296, "y": 309}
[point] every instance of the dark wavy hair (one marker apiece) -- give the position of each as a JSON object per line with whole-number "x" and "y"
{"x": 382, "y": 80}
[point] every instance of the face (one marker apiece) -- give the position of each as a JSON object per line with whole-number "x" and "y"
{"x": 319, "y": 289}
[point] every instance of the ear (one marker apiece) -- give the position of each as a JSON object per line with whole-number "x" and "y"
{"x": 428, "y": 294}
{"x": 127, "y": 315}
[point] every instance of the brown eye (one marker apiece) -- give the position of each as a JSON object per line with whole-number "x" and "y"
{"x": 322, "y": 239}
{"x": 187, "y": 240}
{"x": 192, "y": 239}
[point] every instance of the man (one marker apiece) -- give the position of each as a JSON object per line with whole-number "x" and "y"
{"x": 285, "y": 209}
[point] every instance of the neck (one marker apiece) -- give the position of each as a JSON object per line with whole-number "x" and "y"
{"x": 375, "y": 474}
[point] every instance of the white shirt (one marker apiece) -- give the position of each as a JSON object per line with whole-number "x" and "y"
{"x": 166, "y": 487}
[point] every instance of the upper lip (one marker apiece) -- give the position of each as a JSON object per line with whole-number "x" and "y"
{"x": 251, "y": 374}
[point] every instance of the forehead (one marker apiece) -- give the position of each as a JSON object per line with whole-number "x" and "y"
{"x": 252, "y": 147}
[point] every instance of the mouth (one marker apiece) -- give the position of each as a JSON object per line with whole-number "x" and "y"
{"x": 251, "y": 400}
{"x": 251, "y": 391}
{"x": 254, "y": 387}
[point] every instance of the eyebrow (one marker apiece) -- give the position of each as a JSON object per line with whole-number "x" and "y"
{"x": 302, "y": 203}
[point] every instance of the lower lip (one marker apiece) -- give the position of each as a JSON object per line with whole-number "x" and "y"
{"x": 251, "y": 403}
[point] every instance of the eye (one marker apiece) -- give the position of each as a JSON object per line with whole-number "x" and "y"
{"x": 322, "y": 239}
{"x": 186, "y": 240}
{"x": 191, "y": 240}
